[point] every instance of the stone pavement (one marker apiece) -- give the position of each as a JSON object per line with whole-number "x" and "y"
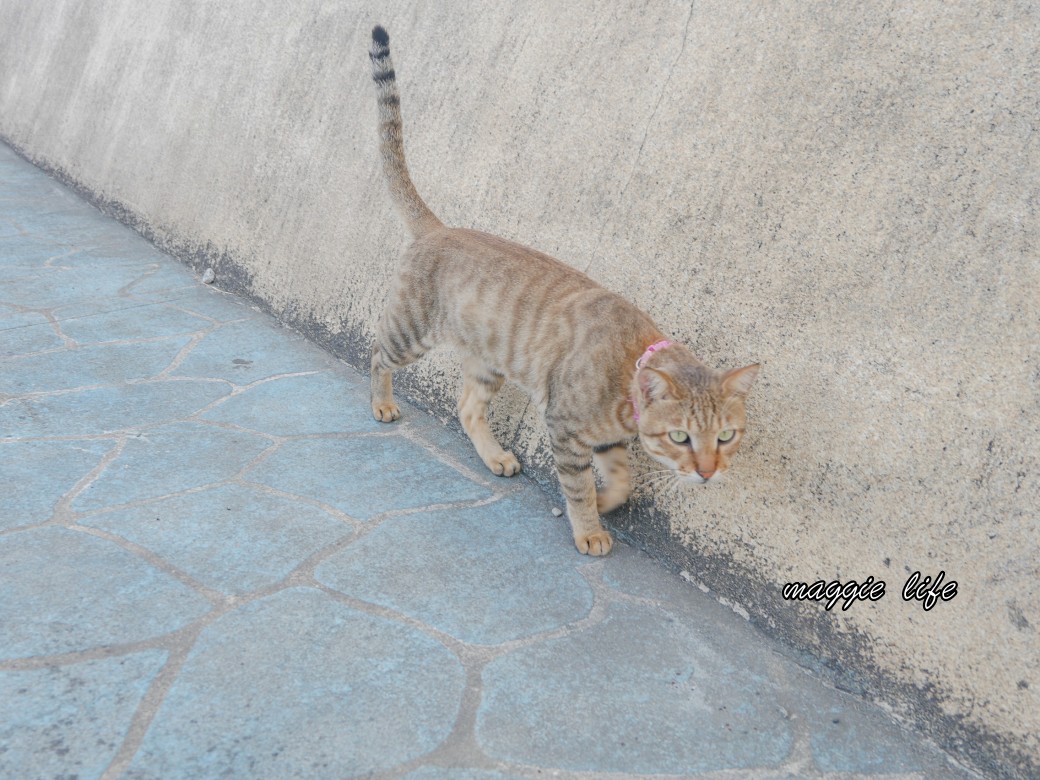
{"x": 213, "y": 563}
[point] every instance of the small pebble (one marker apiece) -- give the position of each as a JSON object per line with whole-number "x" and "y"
{"x": 557, "y": 511}
{"x": 209, "y": 276}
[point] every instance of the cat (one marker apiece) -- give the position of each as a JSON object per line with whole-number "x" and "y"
{"x": 597, "y": 367}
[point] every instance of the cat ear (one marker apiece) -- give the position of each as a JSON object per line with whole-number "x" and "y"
{"x": 657, "y": 385}
{"x": 738, "y": 381}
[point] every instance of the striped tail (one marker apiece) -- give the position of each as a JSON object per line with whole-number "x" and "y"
{"x": 416, "y": 213}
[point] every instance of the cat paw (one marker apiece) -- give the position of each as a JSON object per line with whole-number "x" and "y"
{"x": 503, "y": 465}
{"x": 386, "y": 412}
{"x": 596, "y": 543}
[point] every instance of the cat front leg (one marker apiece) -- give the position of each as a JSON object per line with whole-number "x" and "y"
{"x": 574, "y": 468}
{"x": 612, "y": 461}
{"x": 479, "y": 386}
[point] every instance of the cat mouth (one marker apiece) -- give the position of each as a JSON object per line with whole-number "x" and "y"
{"x": 697, "y": 479}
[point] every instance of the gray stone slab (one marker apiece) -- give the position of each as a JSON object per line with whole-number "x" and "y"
{"x": 485, "y": 575}
{"x": 44, "y": 253}
{"x": 385, "y": 473}
{"x": 128, "y": 256}
{"x": 298, "y": 685}
{"x": 454, "y": 773}
{"x": 846, "y": 736}
{"x": 22, "y": 253}
{"x": 204, "y": 301}
{"x": 437, "y": 435}
{"x": 69, "y": 721}
{"x": 638, "y": 692}
{"x": 38, "y": 287}
{"x": 102, "y": 364}
{"x": 94, "y": 307}
{"x": 837, "y": 732}
{"x": 234, "y": 539}
{"x": 166, "y": 278}
{"x": 136, "y": 320}
{"x": 107, "y": 409}
{"x": 25, "y": 332}
{"x": 168, "y": 459}
{"x": 63, "y": 591}
{"x": 67, "y": 221}
{"x": 326, "y": 402}
{"x": 37, "y": 474}
{"x": 635, "y": 573}
{"x": 25, "y": 187}
{"x": 243, "y": 352}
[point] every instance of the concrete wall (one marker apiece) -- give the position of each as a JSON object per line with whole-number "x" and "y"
{"x": 846, "y": 192}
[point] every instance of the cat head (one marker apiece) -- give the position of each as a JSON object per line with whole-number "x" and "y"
{"x": 691, "y": 418}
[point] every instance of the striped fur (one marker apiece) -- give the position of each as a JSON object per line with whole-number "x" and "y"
{"x": 519, "y": 315}
{"x": 417, "y": 215}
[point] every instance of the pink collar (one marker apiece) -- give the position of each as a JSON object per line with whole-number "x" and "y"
{"x": 655, "y": 347}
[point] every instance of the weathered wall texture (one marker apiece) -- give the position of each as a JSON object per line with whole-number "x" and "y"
{"x": 846, "y": 192}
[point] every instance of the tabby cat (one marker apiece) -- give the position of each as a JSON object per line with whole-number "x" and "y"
{"x": 597, "y": 367}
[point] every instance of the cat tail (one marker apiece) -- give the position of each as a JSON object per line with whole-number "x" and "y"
{"x": 411, "y": 206}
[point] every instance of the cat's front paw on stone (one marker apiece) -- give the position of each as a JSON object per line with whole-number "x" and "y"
{"x": 386, "y": 412}
{"x": 503, "y": 465}
{"x": 596, "y": 543}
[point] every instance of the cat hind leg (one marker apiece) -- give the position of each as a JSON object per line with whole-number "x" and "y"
{"x": 398, "y": 342}
{"x": 612, "y": 463}
{"x": 479, "y": 386}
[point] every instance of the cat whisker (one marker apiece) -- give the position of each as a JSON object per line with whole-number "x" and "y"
{"x": 649, "y": 479}
{"x": 651, "y": 475}
{"x": 667, "y": 487}
{"x": 656, "y": 479}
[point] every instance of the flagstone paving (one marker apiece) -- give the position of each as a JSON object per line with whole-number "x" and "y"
{"x": 214, "y": 563}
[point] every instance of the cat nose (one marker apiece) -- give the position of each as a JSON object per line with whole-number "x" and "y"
{"x": 706, "y": 475}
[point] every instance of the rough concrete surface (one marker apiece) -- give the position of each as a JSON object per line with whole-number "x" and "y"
{"x": 845, "y": 192}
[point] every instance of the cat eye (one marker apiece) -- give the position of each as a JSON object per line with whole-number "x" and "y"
{"x": 725, "y": 436}
{"x": 679, "y": 437}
